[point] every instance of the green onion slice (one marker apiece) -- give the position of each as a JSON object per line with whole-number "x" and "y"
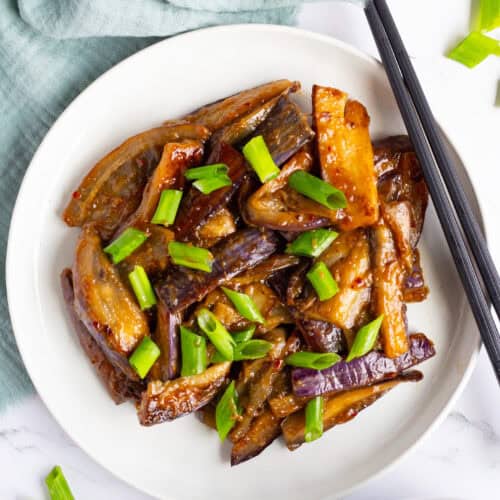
{"x": 317, "y": 189}
{"x": 257, "y": 154}
{"x": 167, "y": 208}
{"x": 142, "y": 287}
{"x": 244, "y": 305}
{"x": 489, "y": 15}
{"x": 208, "y": 171}
{"x": 187, "y": 255}
{"x": 312, "y": 243}
{"x": 217, "y": 333}
{"x": 125, "y": 244}
{"x": 57, "y": 485}
{"x": 314, "y": 419}
{"x": 194, "y": 353}
{"x": 314, "y": 360}
{"x": 322, "y": 281}
{"x": 144, "y": 356}
{"x": 474, "y": 49}
{"x": 227, "y": 411}
{"x": 365, "y": 338}
{"x": 207, "y": 185}
{"x": 243, "y": 335}
{"x": 251, "y": 349}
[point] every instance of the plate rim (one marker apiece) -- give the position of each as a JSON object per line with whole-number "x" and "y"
{"x": 14, "y": 310}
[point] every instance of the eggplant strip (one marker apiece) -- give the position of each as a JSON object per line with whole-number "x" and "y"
{"x": 366, "y": 370}
{"x": 387, "y": 153}
{"x": 220, "y": 225}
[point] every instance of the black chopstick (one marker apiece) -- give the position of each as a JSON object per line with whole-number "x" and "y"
{"x": 411, "y": 113}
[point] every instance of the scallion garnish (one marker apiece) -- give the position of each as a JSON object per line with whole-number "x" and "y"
{"x": 207, "y": 185}
{"x": 227, "y": 411}
{"x": 257, "y": 154}
{"x": 217, "y": 333}
{"x": 317, "y": 189}
{"x": 365, "y": 339}
{"x": 314, "y": 360}
{"x": 243, "y": 335}
{"x": 314, "y": 419}
{"x": 125, "y": 244}
{"x": 489, "y": 15}
{"x": 322, "y": 281}
{"x": 167, "y": 208}
{"x": 244, "y": 305}
{"x": 57, "y": 485}
{"x": 144, "y": 356}
{"x": 142, "y": 287}
{"x": 194, "y": 353}
{"x": 474, "y": 49}
{"x": 206, "y": 172}
{"x": 251, "y": 349}
{"x": 186, "y": 255}
{"x": 312, "y": 243}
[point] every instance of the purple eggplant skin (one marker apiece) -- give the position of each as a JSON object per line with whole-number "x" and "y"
{"x": 118, "y": 385}
{"x": 320, "y": 336}
{"x": 366, "y": 370}
{"x": 181, "y": 287}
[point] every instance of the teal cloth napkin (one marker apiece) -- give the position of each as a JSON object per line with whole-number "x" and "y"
{"x": 50, "y": 50}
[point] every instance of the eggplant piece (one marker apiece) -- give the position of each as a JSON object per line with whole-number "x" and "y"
{"x": 220, "y": 113}
{"x": 196, "y": 208}
{"x": 118, "y": 385}
{"x": 320, "y": 336}
{"x": 286, "y": 404}
{"x": 285, "y": 131}
{"x": 169, "y": 400}
{"x": 341, "y": 408}
{"x": 397, "y": 215}
{"x": 220, "y": 225}
{"x": 345, "y": 154}
{"x": 104, "y": 304}
{"x": 113, "y": 188}
{"x": 181, "y": 287}
{"x": 414, "y": 289}
{"x": 365, "y": 370}
{"x": 387, "y": 153}
{"x": 276, "y": 206}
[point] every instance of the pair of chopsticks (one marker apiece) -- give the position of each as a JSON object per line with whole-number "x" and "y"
{"x": 461, "y": 229}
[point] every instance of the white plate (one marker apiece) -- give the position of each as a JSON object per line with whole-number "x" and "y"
{"x": 183, "y": 459}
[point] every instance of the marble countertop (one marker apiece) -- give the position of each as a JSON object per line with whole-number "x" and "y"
{"x": 461, "y": 458}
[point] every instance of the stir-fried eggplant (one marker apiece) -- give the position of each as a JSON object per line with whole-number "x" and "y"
{"x": 104, "y": 304}
{"x": 220, "y": 225}
{"x": 366, "y": 370}
{"x": 345, "y": 153}
{"x": 387, "y": 153}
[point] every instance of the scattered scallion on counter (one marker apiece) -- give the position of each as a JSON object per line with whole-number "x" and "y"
{"x": 251, "y": 349}
{"x": 243, "y": 335}
{"x": 227, "y": 411}
{"x": 57, "y": 485}
{"x": 125, "y": 244}
{"x": 142, "y": 287}
{"x": 257, "y": 154}
{"x": 167, "y": 208}
{"x": 207, "y": 185}
{"x": 314, "y": 419}
{"x": 311, "y": 243}
{"x": 317, "y": 189}
{"x": 217, "y": 333}
{"x": 314, "y": 360}
{"x": 194, "y": 353}
{"x": 489, "y": 15}
{"x": 244, "y": 304}
{"x": 144, "y": 356}
{"x": 206, "y": 172}
{"x": 190, "y": 256}
{"x": 322, "y": 281}
{"x": 474, "y": 49}
{"x": 365, "y": 338}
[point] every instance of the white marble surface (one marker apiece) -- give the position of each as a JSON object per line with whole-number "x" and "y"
{"x": 461, "y": 458}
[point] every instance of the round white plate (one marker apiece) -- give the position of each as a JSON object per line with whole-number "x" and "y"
{"x": 183, "y": 460}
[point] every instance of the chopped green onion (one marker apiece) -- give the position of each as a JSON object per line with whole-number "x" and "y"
{"x": 57, "y": 485}
{"x": 489, "y": 15}
{"x": 244, "y": 305}
{"x": 186, "y": 255}
{"x": 474, "y": 49}
{"x": 167, "y": 208}
{"x": 314, "y": 419}
{"x": 259, "y": 157}
{"x": 314, "y": 360}
{"x": 125, "y": 244}
{"x": 208, "y": 171}
{"x": 217, "y": 333}
{"x": 251, "y": 349}
{"x": 144, "y": 356}
{"x": 312, "y": 243}
{"x": 243, "y": 335}
{"x": 317, "y": 189}
{"x": 227, "y": 411}
{"x": 365, "y": 339}
{"x": 142, "y": 287}
{"x": 322, "y": 281}
{"x": 194, "y": 353}
{"x": 207, "y": 185}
